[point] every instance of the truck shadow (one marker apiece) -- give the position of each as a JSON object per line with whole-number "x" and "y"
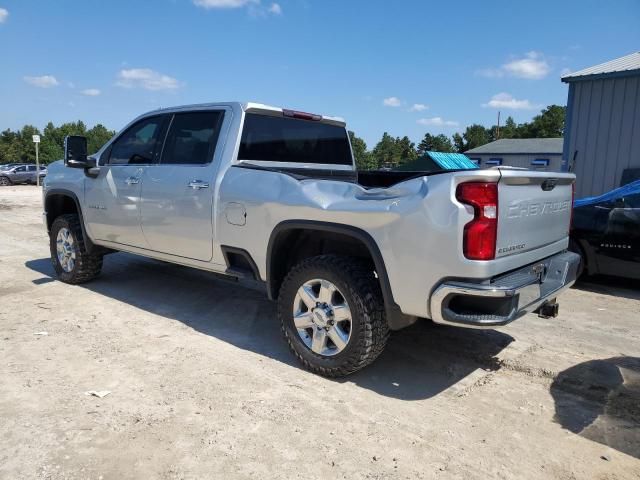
{"x": 421, "y": 361}
{"x": 606, "y": 285}
{"x": 600, "y": 400}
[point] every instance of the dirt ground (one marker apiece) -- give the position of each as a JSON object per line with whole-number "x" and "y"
{"x": 202, "y": 385}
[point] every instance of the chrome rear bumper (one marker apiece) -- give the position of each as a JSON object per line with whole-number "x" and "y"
{"x": 505, "y": 298}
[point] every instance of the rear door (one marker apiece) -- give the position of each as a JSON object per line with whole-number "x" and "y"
{"x": 534, "y": 210}
{"x": 178, "y": 192}
{"x": 31, "y": 171}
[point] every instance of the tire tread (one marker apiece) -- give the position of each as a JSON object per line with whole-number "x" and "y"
{"x": 364, "y": 289}
{"x": 88, "y": 266}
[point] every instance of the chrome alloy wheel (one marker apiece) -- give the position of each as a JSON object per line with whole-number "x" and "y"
{"x": 66, "y": 250}
{"x": 322, "y": 317}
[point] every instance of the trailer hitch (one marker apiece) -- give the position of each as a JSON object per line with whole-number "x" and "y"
{"x": 548, "y": 309}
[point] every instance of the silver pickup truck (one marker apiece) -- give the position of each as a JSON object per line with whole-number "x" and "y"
{"x": 273, "y": 196}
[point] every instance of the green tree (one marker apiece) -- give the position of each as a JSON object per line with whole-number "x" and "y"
{"x": 384, "y": 153}
{"x": 435, "y": 143}
{"x": 510, "y": 129}
{"x": 99, "y": 135}
{"x": 549, "y": 124}
{"x": 405, "y": 150}
{"x": 18, "y": 146}
{"x": 392, "y": 152}
{"x": 51, "y": 146}
{"x": 475, "y": 136}
{"x": 458, "y": 142}
{"x": 25, "y": 146}
{"x": 364, "y": 159}
{"x": 9, "y": 151}
{"x": 426, "y": 144}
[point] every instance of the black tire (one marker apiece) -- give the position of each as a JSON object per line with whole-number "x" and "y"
{"x": 361, "y": 291}
{"x": 87, "y": 266}
{"x": 5, "y": 181}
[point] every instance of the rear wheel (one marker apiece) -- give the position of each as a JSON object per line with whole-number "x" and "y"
{"x": 4, "y": 181}
{"x": 69, "y": 256}
{"x": 332, "y": 315}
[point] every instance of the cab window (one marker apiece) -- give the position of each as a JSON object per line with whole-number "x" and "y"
{"x": 139, "y": 145}
{"x": 280, "y": 139}
{"x": 192, "y": 138}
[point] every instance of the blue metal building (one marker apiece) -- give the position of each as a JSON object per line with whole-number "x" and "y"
{"x": 602, "y": 126}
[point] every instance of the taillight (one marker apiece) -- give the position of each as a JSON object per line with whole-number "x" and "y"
{"x": 479, "y": 242}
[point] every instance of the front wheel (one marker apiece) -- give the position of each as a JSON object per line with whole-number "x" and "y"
{"x": 332, "y": 314}
{"x": 69, "y": 256}
{"x": 5, "y": 182}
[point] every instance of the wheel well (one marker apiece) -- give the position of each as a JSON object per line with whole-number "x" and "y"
{"x": 294, "y": 240}
{"x": 292, "y": 246}
{"x": 58, "y": 204}
{"x": 577, "y": 246}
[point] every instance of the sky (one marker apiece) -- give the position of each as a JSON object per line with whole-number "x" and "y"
{"x": 406, "y": 67}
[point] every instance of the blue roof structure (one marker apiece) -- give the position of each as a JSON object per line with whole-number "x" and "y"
{"x": 452, "y": 161}
{"x": 628, "y": 189}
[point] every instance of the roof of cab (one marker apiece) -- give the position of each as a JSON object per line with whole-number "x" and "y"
{"x": 250, "y": 107}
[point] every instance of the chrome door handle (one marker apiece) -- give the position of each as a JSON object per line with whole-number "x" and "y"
{"x": 132, "y": 181}
{"x": 197, "y": 184}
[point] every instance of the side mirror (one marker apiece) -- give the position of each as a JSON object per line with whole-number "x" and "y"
{"x": 75, "y": 152}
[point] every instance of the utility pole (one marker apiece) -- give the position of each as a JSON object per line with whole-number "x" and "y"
{"x": 36, "y": 140}
{"x": 498, "y": 127}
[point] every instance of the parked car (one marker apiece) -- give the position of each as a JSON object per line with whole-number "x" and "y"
{"x": 7, "y": 166}
{"x": 606, "y": 232}
{"x": 273, "y": 195}
{"x": 24, "y": 173}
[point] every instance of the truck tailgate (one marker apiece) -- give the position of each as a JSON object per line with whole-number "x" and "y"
{"x": 534, "y": 210}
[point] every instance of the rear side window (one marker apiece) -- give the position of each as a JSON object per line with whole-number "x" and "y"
{"x": 138, "y": 144}
{"x": 281, "y": 139}
{"x": 192, "y": 138}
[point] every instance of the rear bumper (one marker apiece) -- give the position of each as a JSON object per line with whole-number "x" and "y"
{"x": 506, "y": 298}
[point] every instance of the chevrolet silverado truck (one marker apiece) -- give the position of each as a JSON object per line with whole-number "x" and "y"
{"x": 272, "y": 196}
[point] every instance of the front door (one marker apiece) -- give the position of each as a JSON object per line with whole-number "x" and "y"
{"x": 113, "y": 198}
{"x": 20, "y": 174}
{"x": 178, "y": 192}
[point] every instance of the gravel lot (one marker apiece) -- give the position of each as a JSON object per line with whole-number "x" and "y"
{"x": 202, "y": 385}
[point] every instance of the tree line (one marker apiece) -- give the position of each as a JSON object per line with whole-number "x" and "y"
{"x": 394, "y": 151}
{"x": 17, "y": 146}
